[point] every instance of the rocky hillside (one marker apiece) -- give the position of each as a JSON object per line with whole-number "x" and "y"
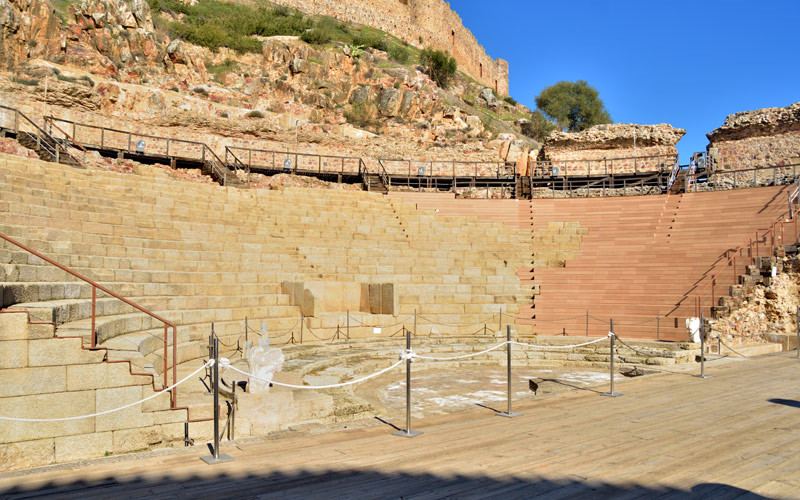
{"x": 352, "y": 90}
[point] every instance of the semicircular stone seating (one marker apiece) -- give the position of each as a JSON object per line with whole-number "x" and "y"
{"x": 199, "y": 254}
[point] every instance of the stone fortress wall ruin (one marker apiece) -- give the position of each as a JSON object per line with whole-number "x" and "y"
{"x": 422, "y": 23}
{"x": 759, "y": 138}
{"x": 620, "y": 148}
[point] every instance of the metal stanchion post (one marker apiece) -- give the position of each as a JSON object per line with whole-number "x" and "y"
{"x": 798, "y": 332}
{"x": 348, "y": 324}
{"x": 408, "y": 432}
{"x": 508, "y": 413}
{"x": 245, "y": 329}
{"x": 612, "y": 337}
{"x": 302, "y": 321}
{"x": 702, "y": 347}
{"x": 216, "y": 457}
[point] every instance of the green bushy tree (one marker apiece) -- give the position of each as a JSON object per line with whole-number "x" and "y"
{"x": 574, "y": 106}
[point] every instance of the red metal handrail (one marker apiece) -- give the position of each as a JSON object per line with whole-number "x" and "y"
{"x": 95, "y": 286}
{"x": 753, "y": 238}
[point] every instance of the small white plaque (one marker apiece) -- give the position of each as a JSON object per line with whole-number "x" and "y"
{"x": 376, "y": 331}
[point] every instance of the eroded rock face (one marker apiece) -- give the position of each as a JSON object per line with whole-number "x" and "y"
{"x": 759, "y": 122}
{"x": 615, "y": 135}
{"x": 28, "y": 29}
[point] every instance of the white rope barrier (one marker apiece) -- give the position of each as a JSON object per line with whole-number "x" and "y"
{"x": 106, "y": 412}
{"x": 561, "y": 346}
{"x": 436, "y": 358}
{"x": 225, "y": 363}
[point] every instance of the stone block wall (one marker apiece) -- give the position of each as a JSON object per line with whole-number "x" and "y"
{"x": 48, "y": 377}
{"x": 422, "y": 23}
{"x": 753, "y": 139}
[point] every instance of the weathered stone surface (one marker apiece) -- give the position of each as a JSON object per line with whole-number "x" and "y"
{"x": 26, "y": 454}
{"x": 13, "y": 354}
{"x": 22, "y": 381}
{"x": 389, "y": 101}
{"x": 128, "y": 440}
{"x": 361, "y": 95}
{"x": 59, "y": 404}
{"x": 298, "y": 65}
{"x": 83, "y": 446}
{"x": 488, "y": 98}
{"x": 13, "y": 326}
{"x": 759, "y": 122}
{"x": 615, "y": 136}
{"x": 754, "y": 139}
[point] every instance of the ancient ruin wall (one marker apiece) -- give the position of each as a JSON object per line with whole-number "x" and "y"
{"x": 432, "y": 21}
{"x": 610, "y": 149}
{"x": 760, "y": 138}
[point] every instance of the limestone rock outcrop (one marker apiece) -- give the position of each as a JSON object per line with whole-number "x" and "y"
{"x": 28, "y": 29}
{"x": 615, "y": 136}
{"x": 766, "y": 121}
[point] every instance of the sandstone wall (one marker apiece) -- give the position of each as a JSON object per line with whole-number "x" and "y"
{"x": 431, "y": 20}
{"x": 610, "y": 149}
{"x": 48, "y": 377}
{"x": 760, "y": 138}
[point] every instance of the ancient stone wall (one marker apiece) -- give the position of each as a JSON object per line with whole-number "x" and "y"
{"x": 422, "y": 23}
{"x": 760, "y": 138}
{"x": 610, "y": 149}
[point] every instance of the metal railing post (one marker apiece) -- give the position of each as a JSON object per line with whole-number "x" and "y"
{"x": 702, "y": 347}
{"x": 302, "y": 325}
{"x": 612, "y": 336}
{"x": 216, "y": 457}
{"x": 508, "y": 413}
{"x": 408, "y": 432}
{"x": 798, "y": 332}
{"x": 94, "y": 307}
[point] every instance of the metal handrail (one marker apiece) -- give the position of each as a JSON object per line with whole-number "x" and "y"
{"x": 451, "y": 165}
{"x": 42, "y": 133}
{"x": 297, "y": 156}
{"x": 95, "y": 287}
{"x": 237, "y": 164}
{"x": 130, "y": 148}
{"x": 753, "y": 239}
{"x": 216, "y": 164}
{"x": 667, "y": 159}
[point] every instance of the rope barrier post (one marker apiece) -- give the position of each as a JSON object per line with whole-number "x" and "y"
{"x": 499, "y": 322}
{"x": 302, "y": 324}
{"x": 587, "y": 322}
{"x": 658, "y": 326}
{"x": 348, "y": 324}
{"x": 612, "y": 336}
{"x": 702, "y": 347}
{"x": 245, "y": 329}
{"x": 408, "y": 433}
{"x": 508, "y": 413}
{"x": 216, "y": 457}
{"x": 798, "y": 332}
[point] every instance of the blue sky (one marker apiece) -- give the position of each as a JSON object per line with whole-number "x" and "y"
{"x": 686, "y": 63}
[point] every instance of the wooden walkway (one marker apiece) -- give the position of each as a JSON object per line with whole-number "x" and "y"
{"x": 734, "y": 435}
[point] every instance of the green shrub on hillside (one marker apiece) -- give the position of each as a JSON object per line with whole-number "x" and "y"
{"x": 441, "y": 66}
{"x": 370, "y": 37}
{"x": 215, "y": 24}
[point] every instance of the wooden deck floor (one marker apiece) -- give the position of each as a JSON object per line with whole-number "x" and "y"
{"x": 734, "y": 435}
